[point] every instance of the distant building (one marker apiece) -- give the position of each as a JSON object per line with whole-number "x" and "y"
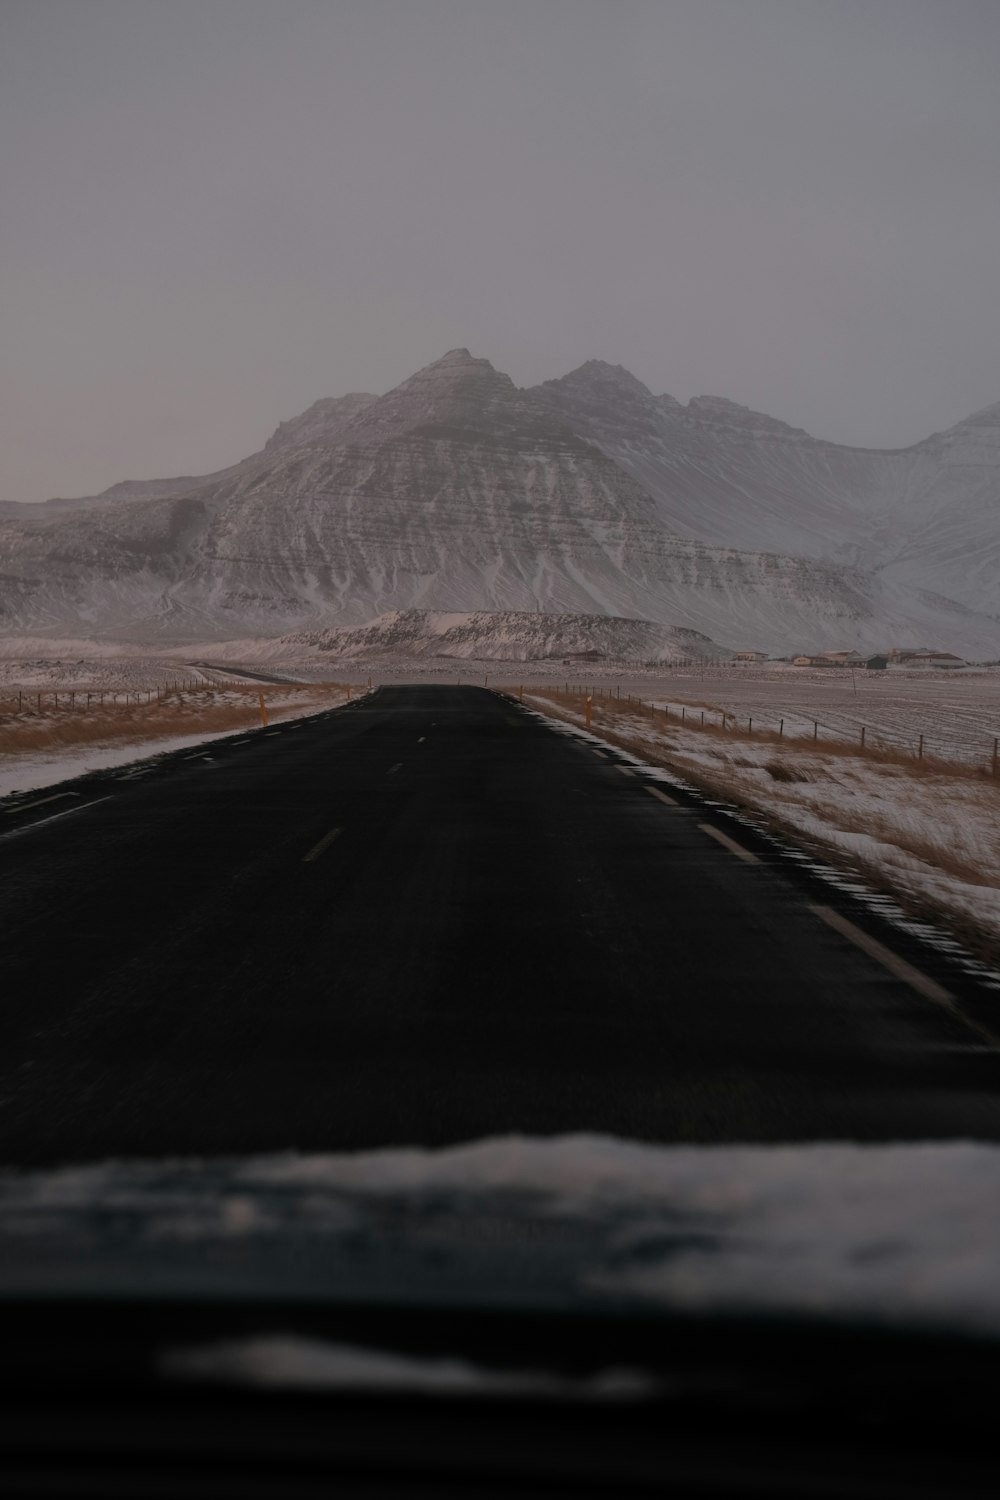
{"x": 925, "y": 657}
{"x": 753, "y": 656}
{"x": 844, "y": 658}
{"x": 832, "y": 659}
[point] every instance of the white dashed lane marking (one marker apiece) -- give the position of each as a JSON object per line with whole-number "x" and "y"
{"x": 922, "y": 983}
{"x": 654, "y": 791}
{"x": 730, "y": 844}
{"x": 54, "y": 818}
{"x": 322, "y": 846}
{"x": 39, "y": 802}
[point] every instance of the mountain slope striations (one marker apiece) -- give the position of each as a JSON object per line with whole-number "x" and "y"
{"x": 926, "y": 517}
{"x": 457, "y": 492}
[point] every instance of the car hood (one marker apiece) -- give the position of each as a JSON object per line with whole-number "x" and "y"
{"x": 901, "y": 1236}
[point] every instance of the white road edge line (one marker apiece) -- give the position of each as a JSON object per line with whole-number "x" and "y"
{"x": 923, "y": 985}
{"x": 625, "y": 770}
{"x": 392, "y": 769}
{"x": 15, "y": 833}
{"x": 730, "y": 844}
{"x": 654, "y": 791}
{"x": 324, "y": 843}
{"x": 38, "y": 802}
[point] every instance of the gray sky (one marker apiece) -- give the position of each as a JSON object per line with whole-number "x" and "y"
{"x": 213, "y": 212}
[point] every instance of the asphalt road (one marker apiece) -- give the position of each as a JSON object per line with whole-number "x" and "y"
{"x": 429, "y": 917}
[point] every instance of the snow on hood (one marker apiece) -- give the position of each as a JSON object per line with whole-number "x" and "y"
{"x": 902, "y": 1235}
{"x": 295, "y": 1363}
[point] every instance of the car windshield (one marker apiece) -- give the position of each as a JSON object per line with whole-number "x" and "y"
{"x": 439, "y": 996}
{"x": 499, "y": 722}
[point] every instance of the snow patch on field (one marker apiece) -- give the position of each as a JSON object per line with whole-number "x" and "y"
{"x": 956, "y": 716}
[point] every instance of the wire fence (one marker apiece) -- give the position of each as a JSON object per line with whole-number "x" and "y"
{"x": 38, "y": 700}
{"x": 943, "y": 733}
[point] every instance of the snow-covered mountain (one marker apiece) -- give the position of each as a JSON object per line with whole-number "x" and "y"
{"x": 323, "y": 422}
{"x": 459, "y": 493}
{"x": 496, "y": 636}
{"x": 926, "y": 516}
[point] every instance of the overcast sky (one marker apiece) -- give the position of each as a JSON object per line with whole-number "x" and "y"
{"x": 213, "y": 212}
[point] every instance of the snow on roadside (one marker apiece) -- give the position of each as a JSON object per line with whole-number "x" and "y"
{"x": 930, "y": 835}
{"x": 30, "y": 771}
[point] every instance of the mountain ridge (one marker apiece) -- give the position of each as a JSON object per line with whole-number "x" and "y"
{"x": 459, "y": 491}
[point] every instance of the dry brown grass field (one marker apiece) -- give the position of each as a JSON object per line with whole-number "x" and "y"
{"x": 62, "y": 721}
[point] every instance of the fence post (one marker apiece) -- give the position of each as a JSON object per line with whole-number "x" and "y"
{"x": 749, "y": 726}
{"x": 920, "y": 749}
{"x": 683, "y": 712}
{"x": 703, "y": 718}
{"x": 994, "y": 757}
{"x": 815, "y": 730}
{"x": 862, "y": 736}
{"x": 781, "y": 728}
